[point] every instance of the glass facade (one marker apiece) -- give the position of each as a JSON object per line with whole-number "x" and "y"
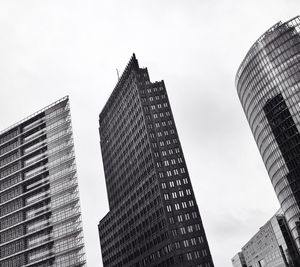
{"x": 268, "y": 85}
{"x": 40, "y": 222}
{"x": 153, "y": 219}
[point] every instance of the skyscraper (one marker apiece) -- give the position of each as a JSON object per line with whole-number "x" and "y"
{"x": 40, "y": 221}
{"x": 268, "y": 85}
{"x": 153, "y": 219}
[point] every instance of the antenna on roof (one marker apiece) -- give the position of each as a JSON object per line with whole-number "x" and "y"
{"x": 118, "y": 74}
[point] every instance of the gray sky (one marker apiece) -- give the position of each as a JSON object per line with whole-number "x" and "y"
{"x": 53, "y": 48}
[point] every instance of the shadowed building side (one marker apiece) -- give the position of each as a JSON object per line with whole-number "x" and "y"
{"x": 153, "y": 219}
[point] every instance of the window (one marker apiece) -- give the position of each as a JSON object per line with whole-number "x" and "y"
{"x": 174, "y": 195}
{"x": 187, "y": 216}
{"x": 191, "y": 203}
{"x": 197, "y": 227}
{"x": 169, "y": 208}
{"x": 171, "y": 184}
{"x": 166, "y": 196}
{"x": 184, "y": 205}
{"x": 163, "y": 186}
{"x": 200, "y": 239}
{"x": 190, "y": 228}
{"x": 186, "y": 243}
{"x": 178, "y": 182}
{"x": 179, "y": 217}
{"x": 181, "y": 194}
{"x": 194, "y": 214}
{"x": 177, "y": 207}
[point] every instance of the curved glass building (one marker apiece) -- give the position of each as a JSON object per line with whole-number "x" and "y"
{"x": 268, "y": 85}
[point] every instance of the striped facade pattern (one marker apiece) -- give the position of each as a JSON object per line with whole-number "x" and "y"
{"x": 40, "y": 222}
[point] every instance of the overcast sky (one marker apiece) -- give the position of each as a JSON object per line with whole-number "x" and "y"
{"x": 53, "y": 48}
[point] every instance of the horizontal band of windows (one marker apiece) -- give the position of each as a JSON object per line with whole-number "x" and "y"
{"x": 72, "y": 202}
{"x": 48, "y": 165}
{"x": 20, "y": 134}
{"x": 51, "y": 251}
{"x": 56, "y": 176}
{"x": 74, "y": 218}
{"x": 49, "y": 153}
{"x": 47, "y": 195}
{"x": 64, "y": 127}
{"x": 74, "y": 248}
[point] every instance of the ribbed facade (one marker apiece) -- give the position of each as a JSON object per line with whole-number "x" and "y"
{"x": 154, "y": 218}
{"x": 40, "y": 222}
{"x": 268, "y": 85}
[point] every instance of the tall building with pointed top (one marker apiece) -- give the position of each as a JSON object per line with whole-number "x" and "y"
{"x": 154, "y": 218}
{"x": 40, "y": 222}
{"x": 268, "y": 85}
